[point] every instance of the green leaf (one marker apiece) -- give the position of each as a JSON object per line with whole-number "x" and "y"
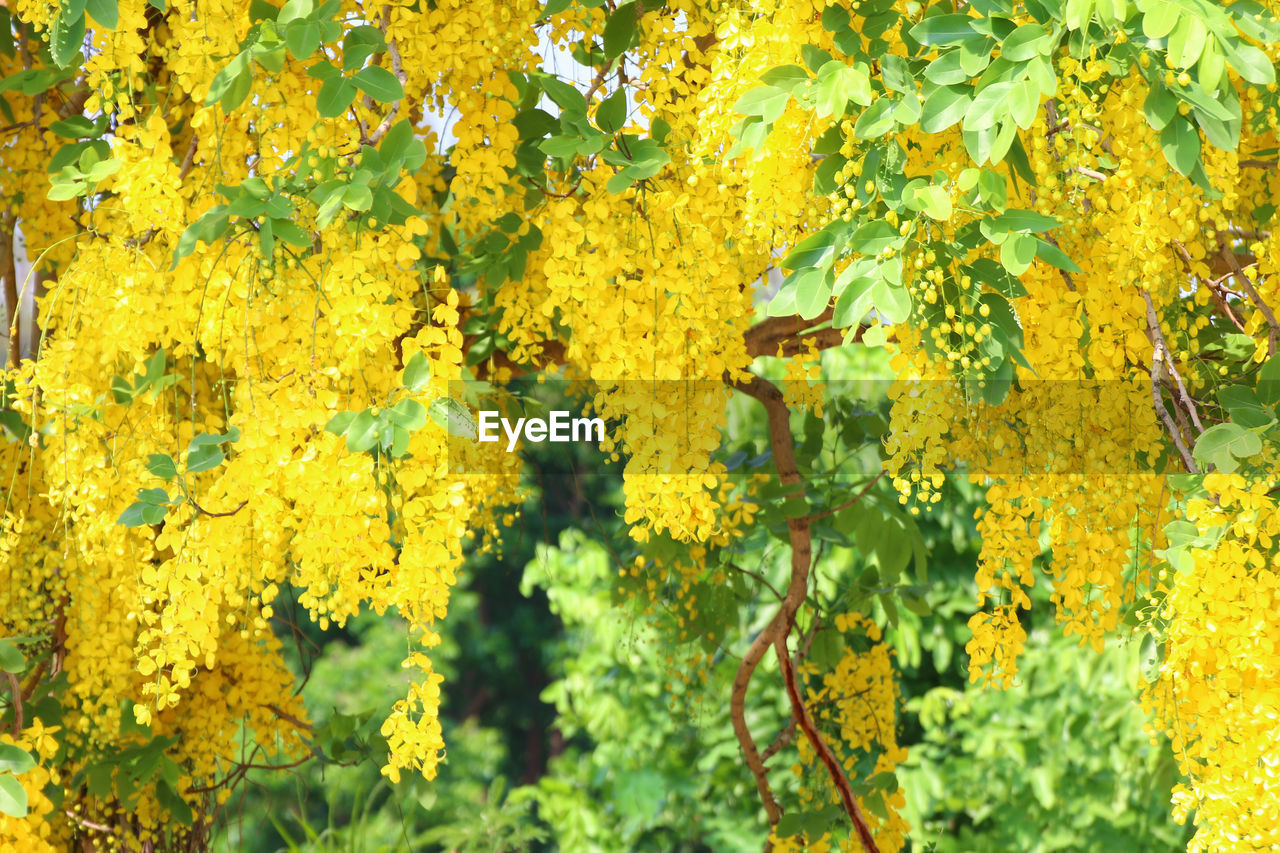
{"x": 1024, "y": 103}
{"x": 1020, "y": 220}
{"x": 854, "y": 297}
{"x": 943, "y": 107}
{"x": 75, "y": 127}
{"x": 1160, "y": 17}
{"x": 362, "y": 431}
{"x": 1222, "y": 445}
{"x": 453, "y": 416}
{"x": 13, "y": 797}
{"x": 1159, "y": 106}
{"x": 379, "y": 84}
{"x": 1017, "y": 253}
{"x": 335, "y": 96}
{"x": 767, "y": 102}
{"x": 104, "y": 12}
{"x": 1269, "y": 381}
{"x": 11, "y": 660}
{"x": 359, "y": 44}
{"x": 140, "y": 513}
{"x": 944, "y": 29}
{"x": 292, "y": 234}
{"x": 203, "y": 457}
{"x": 302, "y": 38}
{"x": 988, "y": 106}
{"x": 1251, "y": 63}
{"x": 1180, "y": 142}
{"x": 408, "y": 414}
{"x": 267, "y": 239}
{"x": 935, "y": 201}
{"x": 1025, "y": 42}
{"x": 789, "y": 78}
{"x": 837, "y": 84}
{"x": 790, "y": 824}
{"x": 1187, "y": 41}
{"x": 814, "y": 57}
{"x": 611, "y": 115}
{"x": 66, "y": 36}
{"x": 1051, "y": 254}
{"x": 63, "y": 189}
{"x": 876, "y": 120}
{"x": 174, "y": 804}
{"x": 226, "y": 78}
{"x": 357, "y": 197}
{"x": 874, "y": 237}
{"x": 564, "y": 95}
{"x": 417, "y": 372}
{"x": 813, "y": 291}
{"x": 560, "y": 146}
{"x": 14, "y": 759}
{"x": 293, "y": 10}
{"x": 816, "y": 249}
{"x": 892, "y": 302}
{"x": 162, "y": 465}
{"x": 620, "y": 29}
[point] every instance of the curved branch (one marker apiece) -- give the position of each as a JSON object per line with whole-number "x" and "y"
{"x": 779, "y": 628}
{"x": 800, "y": 712}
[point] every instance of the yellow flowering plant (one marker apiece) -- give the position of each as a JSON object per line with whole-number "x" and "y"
{"x": 253, "y": 255}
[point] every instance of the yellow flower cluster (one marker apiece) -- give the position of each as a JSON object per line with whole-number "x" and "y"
{"x": 1214, "y": 622}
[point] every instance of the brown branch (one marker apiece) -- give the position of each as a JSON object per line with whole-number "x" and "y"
{"x": 34, "y": 681}
{"x": 763, "y": 338}
{"x": 775, "y": 633}
{"x": 1257, "y": 164}
{"x": 190, "y": 158}
{"x": 784, "y": 460}
{"x": 18, "y": 720}
{"x": 805, "y": 721}
{"x": 757, "y": 576}
{"x": 1273, "y": 334}
{"x": 1158, "y": 350}
{"x": 287, "y": 717}
{"x": 1157, "y": 339}
{"x": 227, "y": 514}
{"x": 9, "y": 274}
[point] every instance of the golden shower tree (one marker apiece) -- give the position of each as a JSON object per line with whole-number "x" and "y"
{"x": 264, "y": 244}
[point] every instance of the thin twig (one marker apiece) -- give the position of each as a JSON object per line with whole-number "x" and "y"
{"x": 1157, "y": 359}
{"x": 1157, "y": 337}
{"x": 286, "y": 716}
{"x": 805, "y": 721}
{"x": 1273, "y": 334}
{"x": 397, "y": 68}
{"x": 848, "y": 503}
{"x": 227, "y": 514}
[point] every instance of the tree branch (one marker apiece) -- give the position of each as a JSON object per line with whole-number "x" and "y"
{"x": 9, "y": 275}
{"x": 805, "y": 721}
{"x": 1158, "y": 352}
{"x": 18, "y": 721}
{"x": 1233, "y": 262}
{"x": 776, "y": 632}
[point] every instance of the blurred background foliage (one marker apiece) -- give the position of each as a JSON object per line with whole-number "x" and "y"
{"x": 574, "y": 722}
